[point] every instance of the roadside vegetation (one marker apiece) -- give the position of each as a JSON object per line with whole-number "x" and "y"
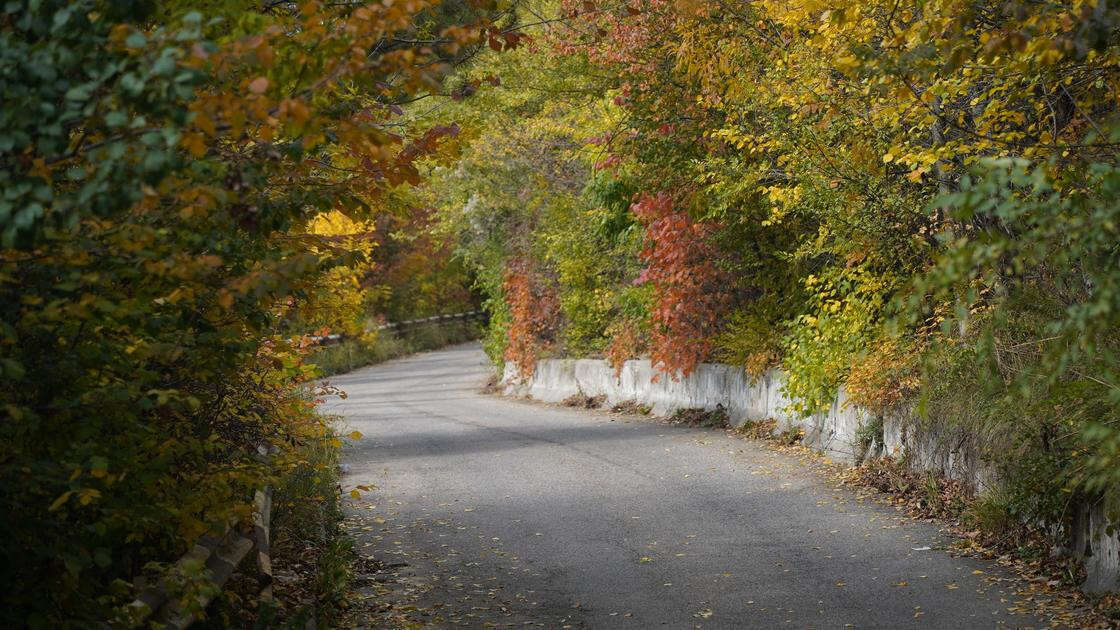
{"x": 916, "y": 201}
{"x": 190, "y": 191}
{"x": 311, "y": 554}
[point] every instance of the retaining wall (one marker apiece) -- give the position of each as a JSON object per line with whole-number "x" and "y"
{"x": 841, "y": 433}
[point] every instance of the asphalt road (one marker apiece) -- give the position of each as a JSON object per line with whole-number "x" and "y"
{"x": 496, "y": 512}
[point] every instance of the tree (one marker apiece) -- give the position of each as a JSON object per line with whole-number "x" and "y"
{"x": 169, "y": 177}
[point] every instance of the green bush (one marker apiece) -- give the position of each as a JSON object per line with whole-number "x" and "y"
{"x": 845, "y": 309}
{"x": 1028, "y": 426}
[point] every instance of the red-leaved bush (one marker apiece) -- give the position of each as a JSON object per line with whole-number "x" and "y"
{"x": 690, "y": 292}
{"x": 534, "y": 315}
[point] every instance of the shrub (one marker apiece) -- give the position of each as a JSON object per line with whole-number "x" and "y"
{"x": 164, "y": 176}
{"x": 689, "y": 293}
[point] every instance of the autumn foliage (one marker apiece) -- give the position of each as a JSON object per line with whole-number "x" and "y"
{"x": 627, "y": 342}
{"x": 910, "y": 201}
{"x": 852, "y": 192}
{"x": 186, "y": 196}
{"x": 533, "y": 317}
{"x": 690, "y": 294}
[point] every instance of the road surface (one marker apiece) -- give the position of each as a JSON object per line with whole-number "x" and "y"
{"x": 492, "y": 512}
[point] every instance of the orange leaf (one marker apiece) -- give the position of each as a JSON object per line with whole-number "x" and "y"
{"x": 225, "y": 299}
{"x": 195, "y": 144}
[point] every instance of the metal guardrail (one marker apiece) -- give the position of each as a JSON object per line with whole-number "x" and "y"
{"x": 435, "y": 319}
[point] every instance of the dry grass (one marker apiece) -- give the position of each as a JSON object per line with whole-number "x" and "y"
{"x": 583, "y": 401}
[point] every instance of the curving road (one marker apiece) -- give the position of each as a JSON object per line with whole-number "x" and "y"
{"x": 491, "y": 512}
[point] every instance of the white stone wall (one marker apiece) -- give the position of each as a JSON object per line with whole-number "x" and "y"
{"x": 834, "y": 432}
{"x": 709, "y": 386}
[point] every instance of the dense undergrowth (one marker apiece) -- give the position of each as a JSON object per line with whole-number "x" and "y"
{"x": 311, "y": 555}
{"x": 190, "y": 191}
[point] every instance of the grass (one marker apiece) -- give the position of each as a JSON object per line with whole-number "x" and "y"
{"x": 632, "y": 407}
{"x": 312, "y": 553}
{"x": 584, "y": 401}
{"x": 351, "y": 354}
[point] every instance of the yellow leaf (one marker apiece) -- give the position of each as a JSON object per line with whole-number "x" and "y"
{"x": 354, "y": 435}
{"x": 355, "y": 494}
{"x": 60, "y": 500}
{"x": 888, "y": 158}
{"x": 195, "y": 143}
